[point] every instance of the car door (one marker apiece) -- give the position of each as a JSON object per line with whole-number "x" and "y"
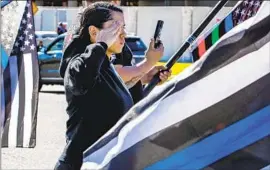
{"x": 50, "y": 60}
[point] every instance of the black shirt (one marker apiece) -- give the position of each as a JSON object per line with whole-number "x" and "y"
{"x": 125, "y": 59}
{"x": 96, "y": 97}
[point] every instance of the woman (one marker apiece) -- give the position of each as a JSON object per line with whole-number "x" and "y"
{"x": 95, "y": 93}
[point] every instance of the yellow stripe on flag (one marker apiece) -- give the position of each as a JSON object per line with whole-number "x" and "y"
{"x": 34, "y": 7}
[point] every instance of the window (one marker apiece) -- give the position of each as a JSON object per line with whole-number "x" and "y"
{"x": 136, "y": 44}
{"x": 58, "y": 45}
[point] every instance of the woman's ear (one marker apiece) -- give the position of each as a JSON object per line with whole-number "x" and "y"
{"x": 93, "y": 32}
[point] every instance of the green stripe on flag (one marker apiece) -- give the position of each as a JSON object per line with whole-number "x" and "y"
{"x": 215, "y": 35}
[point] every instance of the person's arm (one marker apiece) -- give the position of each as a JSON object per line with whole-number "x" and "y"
{"x": 132, "y": 74}
{"x": 163, "y": 75}
{"x": 84, "y": 69}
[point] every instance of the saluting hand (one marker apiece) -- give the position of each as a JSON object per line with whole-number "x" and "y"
{"x": 110, "y": 34}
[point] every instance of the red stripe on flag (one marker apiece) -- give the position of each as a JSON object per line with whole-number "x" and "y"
{"x": 201, "y": 46}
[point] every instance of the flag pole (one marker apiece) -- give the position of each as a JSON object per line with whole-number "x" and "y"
{"x": 186, "y": 45}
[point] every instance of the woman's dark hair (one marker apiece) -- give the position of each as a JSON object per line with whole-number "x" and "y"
{"x": 96, "y": 14}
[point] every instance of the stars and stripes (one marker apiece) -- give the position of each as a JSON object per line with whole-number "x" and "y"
{"x": 246, "y": 10}
{"x": 19, "y": 75}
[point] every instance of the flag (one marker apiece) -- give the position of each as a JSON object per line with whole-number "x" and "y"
{"x": 242, "y": 11}
{"x": 215, "y": 115}
{"x": 19, "y": 75}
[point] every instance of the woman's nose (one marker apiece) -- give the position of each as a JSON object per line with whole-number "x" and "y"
{"x": 123, "y": 33}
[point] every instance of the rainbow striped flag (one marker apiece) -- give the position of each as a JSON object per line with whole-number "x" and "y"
{"x": 241, "y": 12}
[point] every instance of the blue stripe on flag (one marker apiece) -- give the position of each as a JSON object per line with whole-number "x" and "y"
{"x": 4, "y": 58}
{"x": 13, "y": 75}
{"x": 219, "y": 145}
{"x": 228, "y": 23}
{"x": 5, "y": 2}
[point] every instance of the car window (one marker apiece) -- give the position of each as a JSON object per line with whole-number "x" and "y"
{"x": 58, "y": 45}
{"x": 136, "y": 44}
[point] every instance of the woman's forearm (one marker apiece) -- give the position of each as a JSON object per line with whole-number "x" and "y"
{"x": 129, "y": 72}
{"x": 132, "y": 74}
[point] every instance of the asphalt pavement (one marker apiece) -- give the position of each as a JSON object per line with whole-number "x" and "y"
{"x": 50, "y": 134}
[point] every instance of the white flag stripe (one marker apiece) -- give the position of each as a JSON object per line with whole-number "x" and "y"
{"x": 28, "y": 73}
{"x": 12, "y": 135}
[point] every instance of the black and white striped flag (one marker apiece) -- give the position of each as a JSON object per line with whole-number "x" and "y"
{"x": 213, "y": 116}
{"x": 19, "y": 74}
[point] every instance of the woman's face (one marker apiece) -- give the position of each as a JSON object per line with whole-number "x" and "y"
{"x": 120, "y": 41}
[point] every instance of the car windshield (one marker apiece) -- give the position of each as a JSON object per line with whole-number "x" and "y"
{"x": 135, "y": 44}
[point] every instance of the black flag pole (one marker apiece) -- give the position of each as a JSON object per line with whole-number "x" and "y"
{"x": 186, "y": 45}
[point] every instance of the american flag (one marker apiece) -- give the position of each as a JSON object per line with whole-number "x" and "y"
{"x": 19, "y": 74}
{"x": 248, "y": 9}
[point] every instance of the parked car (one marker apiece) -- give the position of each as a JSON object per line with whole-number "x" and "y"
{"x": 45, "y": 36}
